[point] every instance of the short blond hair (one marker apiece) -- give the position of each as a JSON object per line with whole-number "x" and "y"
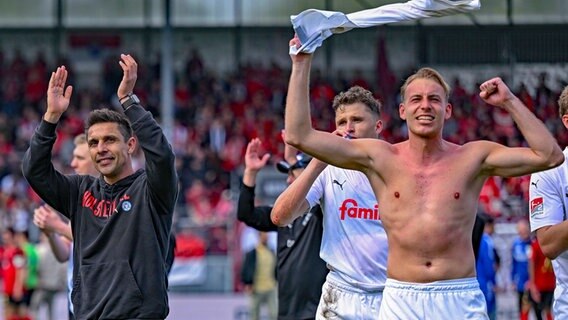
{"x": 426, "y": 73}
{"x": 80, "y": 139}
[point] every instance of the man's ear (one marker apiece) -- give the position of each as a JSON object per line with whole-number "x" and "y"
{"x": 379, "y": 126}
{"x": 449, "y": 109}
{"x": 131, "y": 145}
{"x": 401, "y": 110}
{"x": 565, "y": 120}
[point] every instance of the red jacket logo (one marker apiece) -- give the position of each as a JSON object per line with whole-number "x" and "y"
{"x": 351, "y": 209}
{"x": 101, "y": 208}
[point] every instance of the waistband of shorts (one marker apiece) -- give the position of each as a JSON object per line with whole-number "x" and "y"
{"x": 334, "y": 279}
{"x": 452, "y": 285}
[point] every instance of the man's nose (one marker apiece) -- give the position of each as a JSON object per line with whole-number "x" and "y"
{"x": 101, "y": 147}
{"x": 425, "y": 103}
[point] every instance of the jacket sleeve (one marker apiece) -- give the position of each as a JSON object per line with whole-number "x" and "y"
{"x": 255, "y": 217}
{"x": 59, "y": 191}
{"x": 248, "y": 268}
{"x": 159, "y": 157}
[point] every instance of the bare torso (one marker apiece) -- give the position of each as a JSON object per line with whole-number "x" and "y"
{"x": 428, "y": 207}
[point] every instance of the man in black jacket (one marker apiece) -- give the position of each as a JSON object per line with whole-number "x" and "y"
{"x": 300, "y": 271}
{"x": 121, "y": 221}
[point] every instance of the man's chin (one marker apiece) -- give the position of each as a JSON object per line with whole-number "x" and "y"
{"x": 104, "y": 171}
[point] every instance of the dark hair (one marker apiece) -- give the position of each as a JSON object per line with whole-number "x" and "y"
{"x": 426, "y": 73}
{"x": 357, "y": 94}
{"x": 10, "y": 230}
{"x": 487, "y": 218}
{"x": 25, "y": 233}
{"x": 107, "y": 115}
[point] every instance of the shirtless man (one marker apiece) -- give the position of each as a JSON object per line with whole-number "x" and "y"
{"x": 428, "y": 187}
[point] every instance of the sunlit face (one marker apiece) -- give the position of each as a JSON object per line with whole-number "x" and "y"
{"x": 110, "y": 153}
{"x": 425, "y": 108}
{"x": 81, "y": 162}
{"x": 358, "y": 121}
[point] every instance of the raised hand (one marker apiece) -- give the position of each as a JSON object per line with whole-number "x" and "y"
{"x": 46, "y": 219}
{"x": 300, "y": 56}
{"x": 58, "y": 96}
{"x": 130, "y": 74}
{"x": 253, "y": 160}
{"x": 495, "y": 92}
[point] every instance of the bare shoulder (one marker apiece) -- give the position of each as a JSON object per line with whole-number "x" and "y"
{"x": 482, "y": 151}
{"x": 378, "y": 152}
{"x": 378, "y": 146}
{"x": 481, "y": 147}
{"x": 371, "y": 143}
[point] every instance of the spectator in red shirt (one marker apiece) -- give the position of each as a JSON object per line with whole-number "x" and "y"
{"x": 542, "y": 282}
{"x": 14, "y": 273}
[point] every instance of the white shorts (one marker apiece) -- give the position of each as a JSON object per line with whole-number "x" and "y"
{"x": 560, "y": 303}
{"x": 440, "y": 300}
{"x": 341, "y": 301}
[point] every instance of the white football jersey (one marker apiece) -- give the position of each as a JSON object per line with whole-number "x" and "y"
{"x": 354, "y": 243}
{"x": 548, "y": 206}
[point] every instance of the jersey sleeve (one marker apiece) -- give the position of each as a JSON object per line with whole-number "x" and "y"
{"x": 546, "y": 206}
{"x": 316, "y": 191}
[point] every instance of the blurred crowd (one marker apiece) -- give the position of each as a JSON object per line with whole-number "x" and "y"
{"x": 216, "y": 115}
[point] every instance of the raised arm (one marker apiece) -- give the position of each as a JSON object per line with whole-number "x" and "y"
{"x": 158, "y": 154}
{"x": 257, "y": 217}
{"x": 543, "y": 151}
{"x": 53, "y": 187}
{"x": 292, "y": 202}
{"x": 299, "y": 131}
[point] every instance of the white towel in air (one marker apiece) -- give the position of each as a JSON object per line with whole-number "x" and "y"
{"x": 314, "y": 26}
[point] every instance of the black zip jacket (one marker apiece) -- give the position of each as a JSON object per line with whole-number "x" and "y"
{"x": 300, "y": 271}
{"x": 121, "y": 231}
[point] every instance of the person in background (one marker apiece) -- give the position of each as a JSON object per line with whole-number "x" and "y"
{"x": 13, "y": 264}
{"x": 542, "y": 282}
{"x": 354, "y": 243}
{"x": 32, "y": 263}
{"x": 301, "y": 272}
{"x": 259, "y": 276}
{"x": 520, "y": 252}
{"x": 51, "y": 279}
{"x": 486, "y": 267}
